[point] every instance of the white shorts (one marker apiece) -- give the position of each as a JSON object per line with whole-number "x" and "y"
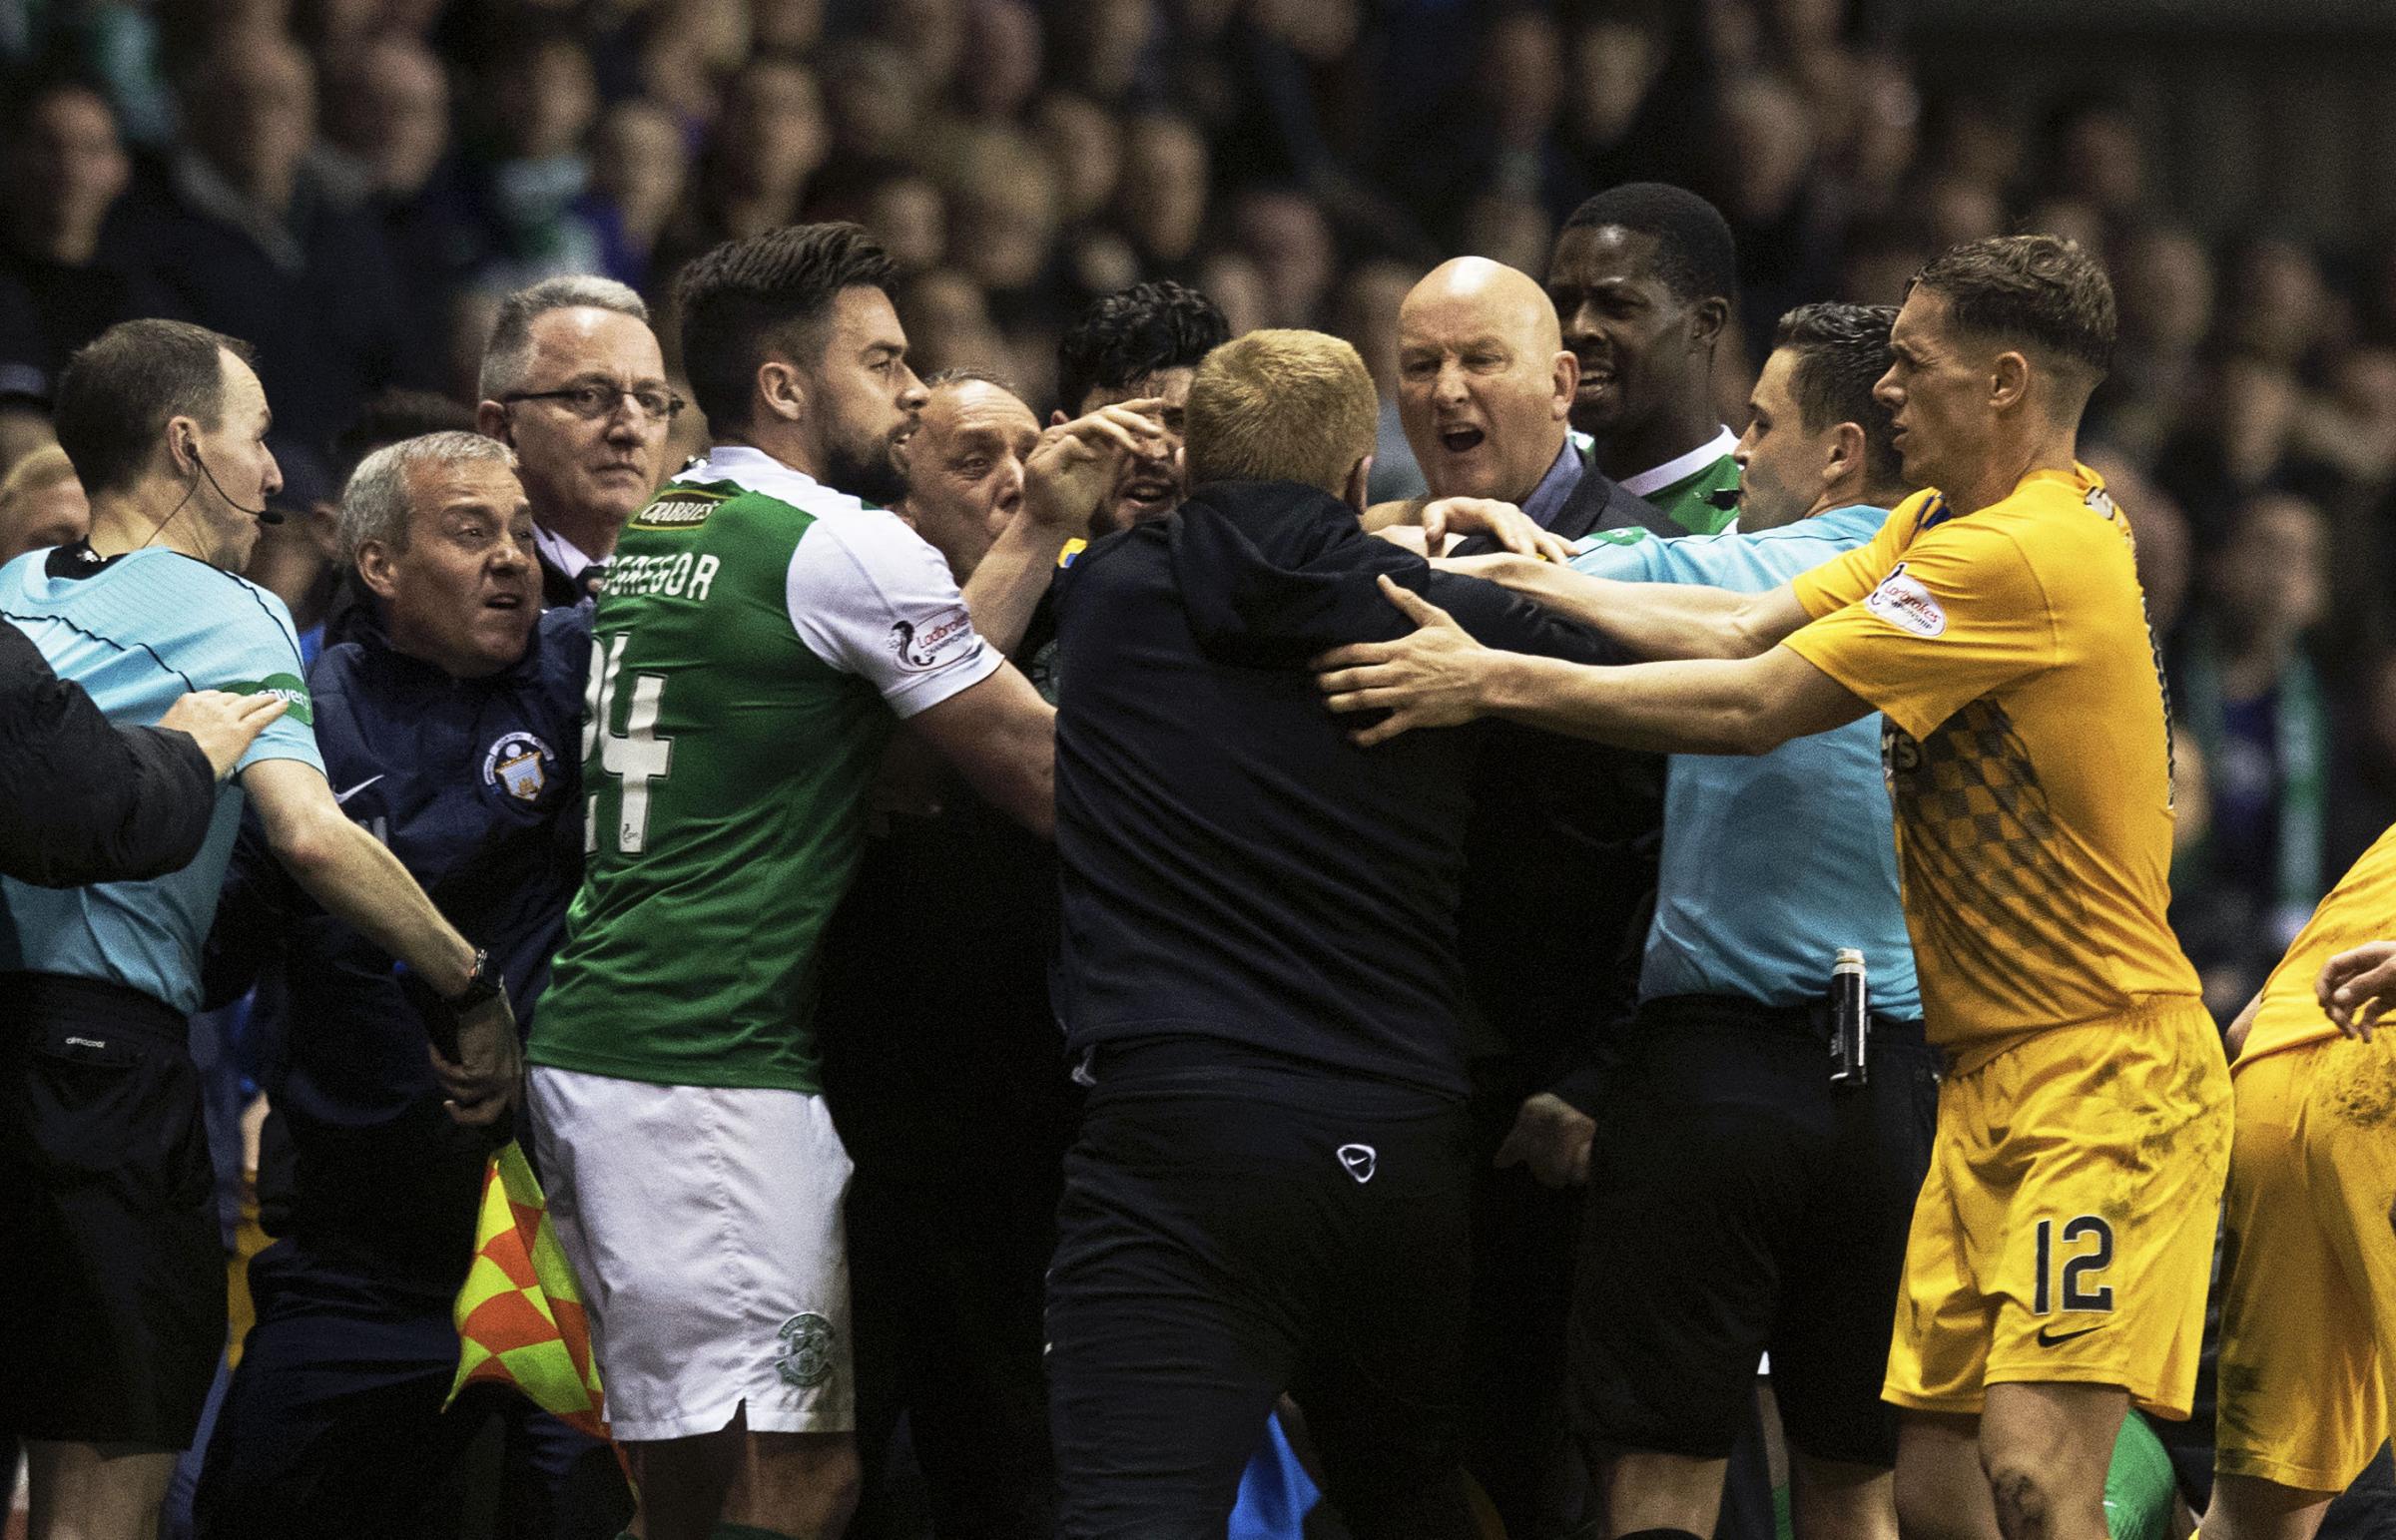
{"x": 703, "y": 1225}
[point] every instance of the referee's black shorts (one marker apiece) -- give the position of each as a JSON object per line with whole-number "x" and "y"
{"x": 112, "y": 1292}
{"x": 1740, "y": 1204}
{"x": 1229, "y": 1233}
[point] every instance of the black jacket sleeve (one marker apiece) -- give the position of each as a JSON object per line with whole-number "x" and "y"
{"x": 1497, "y": 618}
{"x": 82, "y": 801}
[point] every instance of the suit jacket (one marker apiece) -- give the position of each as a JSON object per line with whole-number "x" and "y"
{"x": 1599, "y": 502}
{"x": 1596, "y": 502}
{"x": 1562, "y": 850}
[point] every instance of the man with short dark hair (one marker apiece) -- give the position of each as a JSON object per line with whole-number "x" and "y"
{"x": 763, "y": 627}
{"x": 1271, "y": 1188}
{"x": 1644, "y": 278}
{"x": 449, "y": 720}
{"x": 2056, "y": 1272}
{"x": 574, "y": 382}
{"x": 120, "y": 1266}
{"x": 1140, "y": 343}
{"x": 1740, "y": 1203}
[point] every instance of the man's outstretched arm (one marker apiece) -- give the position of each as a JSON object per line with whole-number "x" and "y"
{"x": 1649, "y": 620}
{"x": 1439, "y": 677}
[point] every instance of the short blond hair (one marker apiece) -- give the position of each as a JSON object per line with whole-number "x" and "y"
{"x": 1281, "y": 406}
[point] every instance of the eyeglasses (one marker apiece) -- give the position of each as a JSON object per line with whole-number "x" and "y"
{"x": 592, "y": 402}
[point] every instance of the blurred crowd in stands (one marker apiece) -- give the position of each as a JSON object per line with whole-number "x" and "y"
{"x": 355, "y": 182}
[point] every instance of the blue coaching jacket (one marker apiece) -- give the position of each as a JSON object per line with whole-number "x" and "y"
{"x": 476, "y": 785}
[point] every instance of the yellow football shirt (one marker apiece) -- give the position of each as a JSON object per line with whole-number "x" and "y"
{"x": 2362, "y": 908}
{"x": 2026, "y": 749}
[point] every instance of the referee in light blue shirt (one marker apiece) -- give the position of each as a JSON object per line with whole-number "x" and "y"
{"x": 1741, "y": 1202}
{"x": 112, "y": 1292}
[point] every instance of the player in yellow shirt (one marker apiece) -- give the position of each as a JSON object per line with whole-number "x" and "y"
{"x": 2309, "y": 1270}
{"x": 2056, "y": 1266}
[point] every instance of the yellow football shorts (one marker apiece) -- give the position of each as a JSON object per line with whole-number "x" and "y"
{"x": 2066, "y": 1231}
{"x": 2308, "y": 1270}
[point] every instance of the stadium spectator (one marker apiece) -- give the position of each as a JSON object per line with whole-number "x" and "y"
{"x": 386, "y": 136}
{"x": 1086, "y": 146}
{"x": 531, "y": 188}
{"x": 1365, "y": 315}
{"x": 1778, "y": 1201}
{"x": 637, "y": 168}
{"x": 1145, "y": 342}
{"x": 2164, "y": 280}
{"x": 2235, "y": 439}
{"x": 947, "y": 319}
{"x": 1232, "y": 281}
{"x": 2257, "y": 709}
{"x": 1269, "y": 1189}
{"x": 246, "y": 238}
{"x": 61, "y": 170}
{"x": 909, "y": 214}
{"x": 1002, "y": 39}
{"x": 768, "y": 140}
{"x": 763, "y": 627}
{"x": 450, "y": 722}
{"x": 574, "y": 382}
{"x": 2011, "y": 1407}
{"x": 873, "y": 103}
{"x": 1643, "y": 281}
{"x": 126, "y": 1275}
{"x": 1766, "y": 156}
{"x": 1002, "y": 221}
{"x": 1161, "y": 201}
{"x": 949, "y": 1064}
{"x": 1284, "y": 232}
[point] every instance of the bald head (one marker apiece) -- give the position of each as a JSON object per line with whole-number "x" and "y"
{"x": 1483, "y": 381}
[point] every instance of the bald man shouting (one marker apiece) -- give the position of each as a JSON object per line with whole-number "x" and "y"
{"x": 1484, "y": 388}
{"x": 1559, "y": 864}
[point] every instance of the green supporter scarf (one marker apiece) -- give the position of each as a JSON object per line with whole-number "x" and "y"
{"x": 2302, "y": 751}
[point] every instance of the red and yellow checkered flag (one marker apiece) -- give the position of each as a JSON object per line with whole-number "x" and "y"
{"x": 519, "y": 1317}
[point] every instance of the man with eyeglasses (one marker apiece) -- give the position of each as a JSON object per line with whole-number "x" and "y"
{"x": 574, "y": 382}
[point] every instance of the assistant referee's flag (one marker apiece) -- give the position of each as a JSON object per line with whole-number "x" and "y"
{"x": 519, "y": 1317}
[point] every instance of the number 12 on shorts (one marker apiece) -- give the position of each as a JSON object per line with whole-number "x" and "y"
{"x": 2089, "y": 1259}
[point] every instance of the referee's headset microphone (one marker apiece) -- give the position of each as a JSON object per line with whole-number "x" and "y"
{"x": 190, "y": 446}
{"x": 263, "y": 514}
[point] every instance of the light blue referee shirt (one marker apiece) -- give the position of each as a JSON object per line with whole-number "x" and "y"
{"x": 136, "y": 633}
{"x": 1772, "y": 863}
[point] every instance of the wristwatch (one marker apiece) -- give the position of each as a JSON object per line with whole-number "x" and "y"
{"x": 482, "y": 986}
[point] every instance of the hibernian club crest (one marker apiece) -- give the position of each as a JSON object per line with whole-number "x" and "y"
{"x": 805, "y": 1358}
